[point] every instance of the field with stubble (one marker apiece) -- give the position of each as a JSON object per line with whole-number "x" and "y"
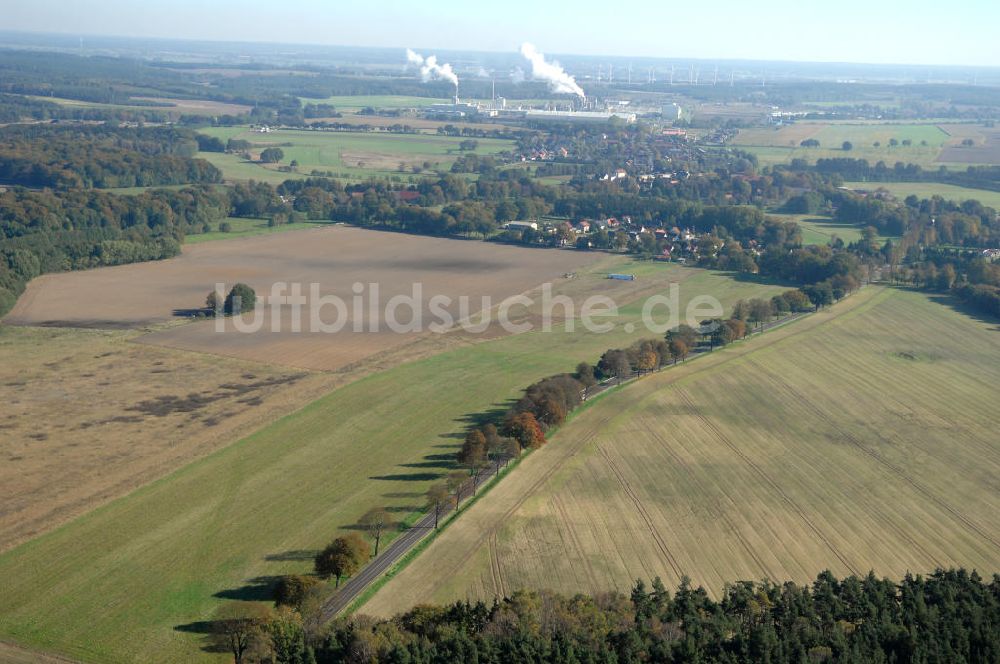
{"x": 859, "y": 438}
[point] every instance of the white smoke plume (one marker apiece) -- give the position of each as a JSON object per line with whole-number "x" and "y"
{"x": 550, "y": 72}
{"x": 430, "y": 70}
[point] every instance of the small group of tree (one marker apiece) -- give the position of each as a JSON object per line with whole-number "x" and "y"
{"x": 254, "y": 633}
{"x": 810, "y": 143}
{"x": 967, "y": 275}
{"x": 271, "y": 155}
{"x": 240, "y": 299}
{"x": 484, "y": 446}
{"x": 756, "y": 311}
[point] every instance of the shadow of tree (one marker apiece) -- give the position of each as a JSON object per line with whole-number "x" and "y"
{"x": 407, "y": 477}
{"x": 449, "y": 463}
{"x": 204, "y": 628}
{"x": 197, "y": 627}
{"x": 192, "y": 312}
{"x": 964, "y": 308}
{"x": 259, "y": 589}
{"x": 494, "y": 414}
{"x": 292, "y": 555}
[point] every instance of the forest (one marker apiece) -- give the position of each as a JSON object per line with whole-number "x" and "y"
{"x": 45, "y": 231}
{"x": 945, "y": 617}
{"x": 101, "y": 156}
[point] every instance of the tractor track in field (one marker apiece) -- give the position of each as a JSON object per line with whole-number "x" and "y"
{"x": 806, "y": 405}
{"x": 768, "y": 480}
{"x": 722, "y": 513}
{"x": 889, "y": 466}
{"x": 746, "y": 544}
{"x": 575, "y": 540}
{"x": 641, "y": 509}
{"x": 568, "y": 452}
{"x": 499, "y": 585}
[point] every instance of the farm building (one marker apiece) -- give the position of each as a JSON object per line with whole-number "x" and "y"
{"x": 521, "y": 225}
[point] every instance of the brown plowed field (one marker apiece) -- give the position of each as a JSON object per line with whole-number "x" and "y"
{"x": 336, "y": 258}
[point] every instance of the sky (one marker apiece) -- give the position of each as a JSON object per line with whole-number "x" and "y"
{"x": 961, "y": 32}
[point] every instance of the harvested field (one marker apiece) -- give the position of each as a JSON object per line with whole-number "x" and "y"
{"x": 170, "y": 105}
{"x": 135, "y": 589}
{"x": 146, "y": 411}
{"x": 197, "y": 106}
{"x": 858, "y": 438}
{"x": 334, "y": 257}
{"x": 985, "y": 148}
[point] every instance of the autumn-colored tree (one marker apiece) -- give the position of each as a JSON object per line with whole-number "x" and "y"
{"x": 648, "y": 361}
{"x": 731, "y": 330}
{"x": 292, "y": 589}
{"x": 678, "y": 350}
{"x": 342, "y": 557}
{"x": 375, "y": 522}
{"x": 437, "y": 497}
{"x": 550, "y": 412}
{"x": 473, "y": 452}
{"x": 524, "y": 428}
{"x": 685, "y": 333}
{"x": 797, "y": 300}
{"x": 739, "y": 329}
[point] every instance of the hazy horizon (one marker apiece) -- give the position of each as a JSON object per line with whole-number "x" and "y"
{"x": 853, "y": 32}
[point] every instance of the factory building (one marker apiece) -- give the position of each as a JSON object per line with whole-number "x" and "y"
{"x": 456, "y": 109}
{"x": 578, "y": 116}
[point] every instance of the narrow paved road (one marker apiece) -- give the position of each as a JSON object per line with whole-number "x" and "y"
{"x": 353, "y": 587}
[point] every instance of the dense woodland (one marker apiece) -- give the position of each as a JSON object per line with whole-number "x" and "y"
{"x": 46, "y": 231}
{"x": 946, "y": 617}
{"x": 101, "y": 156}
{"x": 949, "y": 616}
